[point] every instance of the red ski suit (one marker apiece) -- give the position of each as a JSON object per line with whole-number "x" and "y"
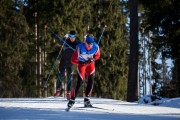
{"x": 80, "y": 57}
{"x": 83, "y": 69}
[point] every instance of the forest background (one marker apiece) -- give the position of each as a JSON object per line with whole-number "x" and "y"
{"x": 28, "y": 50}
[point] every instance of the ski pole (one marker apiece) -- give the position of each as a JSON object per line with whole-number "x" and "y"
{"x": 53, "y": 66}
{"x": 101, "y": 34}
{"x": 64, "y": 42}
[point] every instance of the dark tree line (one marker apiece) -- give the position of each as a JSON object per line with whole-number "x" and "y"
{"x": 28, "y": 51}
{"x": 162, "y": 19}
{"x": 61, "y": 17}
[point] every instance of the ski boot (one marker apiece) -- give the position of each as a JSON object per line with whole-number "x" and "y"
{"x": 87, "y": 102}
{"x": 70, "y": 104}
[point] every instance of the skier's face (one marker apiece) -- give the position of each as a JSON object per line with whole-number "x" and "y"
{"x": 72, "y": 39}
{"x": 88, "y": 45}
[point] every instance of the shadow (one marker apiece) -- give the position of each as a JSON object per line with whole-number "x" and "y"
{"x": 60, "y": 114}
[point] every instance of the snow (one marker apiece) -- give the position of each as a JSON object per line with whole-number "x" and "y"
{"x": 107, "y": 109}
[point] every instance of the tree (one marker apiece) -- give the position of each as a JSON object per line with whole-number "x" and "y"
{"x": 111, "y": 69}
{"x": 133, "y": 59}
{"x": 13, "y": 49}
{"x": 92, "y": 14}
{"x": 162, "y": 18}
{"x": 62, "y": 16}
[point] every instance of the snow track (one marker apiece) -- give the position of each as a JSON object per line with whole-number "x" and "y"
{"x": 105, "y": 109}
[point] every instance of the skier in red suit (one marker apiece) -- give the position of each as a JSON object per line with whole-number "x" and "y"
{"x": 85, "y": 56}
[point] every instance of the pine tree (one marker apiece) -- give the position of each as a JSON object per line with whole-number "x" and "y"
{"x": 111, "y": 69}
{"x": 13, "y": 49}
{"x": 162, "y": 18}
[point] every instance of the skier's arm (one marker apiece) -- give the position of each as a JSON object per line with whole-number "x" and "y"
{"x": 97, "y": 54}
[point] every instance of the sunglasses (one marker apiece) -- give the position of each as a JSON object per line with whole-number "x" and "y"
{"x": 72, "y": 36}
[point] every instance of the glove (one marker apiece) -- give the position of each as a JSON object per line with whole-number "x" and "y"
{"x": 85, "y": 37}
{"x": 80, "y": 62}
{"x": 66, "y": 36}
{"x": 89, "y": 60}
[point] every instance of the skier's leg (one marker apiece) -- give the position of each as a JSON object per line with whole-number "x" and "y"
{"x": 69, "y": 81}
{"x": 90, "y": 72}
{"x": 80, "y": 76}
{"x": 89, "y": 89}
{"x": 78, "y": 85}
{"x": 69, "y": 78}
{"x": 60, "y": 77}
{"x": 90, "y": 85}
{"x": 75, "y": 92}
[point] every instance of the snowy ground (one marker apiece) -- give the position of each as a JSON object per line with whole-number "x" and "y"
{"x": 108, "y": 109}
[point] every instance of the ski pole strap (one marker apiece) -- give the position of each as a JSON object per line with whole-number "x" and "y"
{"x": 101, "y": 35}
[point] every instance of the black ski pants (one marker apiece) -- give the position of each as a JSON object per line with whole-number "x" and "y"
{"x": 89, "y": 87}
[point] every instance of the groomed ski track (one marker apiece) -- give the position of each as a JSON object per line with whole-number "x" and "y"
{"x": 106, "y": 109}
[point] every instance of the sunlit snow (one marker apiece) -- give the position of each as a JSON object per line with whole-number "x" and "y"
{"x": 107, "y": 109}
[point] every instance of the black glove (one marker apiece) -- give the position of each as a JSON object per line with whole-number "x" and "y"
{"x": 80, "y": 62}
{"x": 89, "y": 60}
{"x": 85, "y": 62}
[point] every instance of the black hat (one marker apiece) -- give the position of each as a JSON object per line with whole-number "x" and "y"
{"x": 72, "y": 34}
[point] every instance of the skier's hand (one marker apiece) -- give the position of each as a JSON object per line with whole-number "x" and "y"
{"x": 66, "y": 36}
{"x": 80, "y": 62}
{"x": 89, "y": 60}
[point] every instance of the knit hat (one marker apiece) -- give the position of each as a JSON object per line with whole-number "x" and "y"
{"x": 89, "y": 39}
{"x": 72, "y": 34}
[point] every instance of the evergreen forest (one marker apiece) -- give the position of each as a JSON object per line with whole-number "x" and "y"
{"x": 140, "y": 39}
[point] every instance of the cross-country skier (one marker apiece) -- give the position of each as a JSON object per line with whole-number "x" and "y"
{"x": 65, "y": 63}
{"x": 85, "y": 56}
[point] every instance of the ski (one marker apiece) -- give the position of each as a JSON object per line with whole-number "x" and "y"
{"x": 89, "y": 107}
{"x": 94, "y": 107}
